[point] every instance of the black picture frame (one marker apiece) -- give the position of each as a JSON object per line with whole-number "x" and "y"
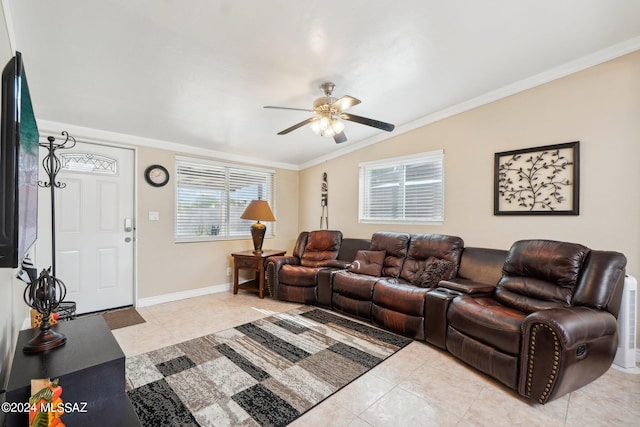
{"x": 541, "y": 180}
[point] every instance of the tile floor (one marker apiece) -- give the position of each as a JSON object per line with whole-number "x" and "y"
{"x": 418, "y": 386}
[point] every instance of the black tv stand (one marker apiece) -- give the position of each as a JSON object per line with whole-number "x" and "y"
{"x": 91, "y": 370}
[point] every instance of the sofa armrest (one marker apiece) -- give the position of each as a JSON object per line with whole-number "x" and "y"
{"x": 274, "y": 264}
{"x": 337, "y": 263}
{"x": 281, "y": 260}
{"x": 325, "y": 281}
{"x": 466, "y": 286}
{"x": 564, "y": 349}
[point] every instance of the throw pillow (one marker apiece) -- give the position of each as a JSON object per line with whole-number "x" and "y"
{"x": 432, "y": 272}
{"x": 368, "y": 262}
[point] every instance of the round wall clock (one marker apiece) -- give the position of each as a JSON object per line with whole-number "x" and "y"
{"x": 156, "y": 175}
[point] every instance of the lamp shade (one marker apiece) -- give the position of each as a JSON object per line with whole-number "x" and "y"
{"x": 258, "y": 210}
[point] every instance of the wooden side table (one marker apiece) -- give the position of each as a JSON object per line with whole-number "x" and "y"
{"x": 247, "y": 260}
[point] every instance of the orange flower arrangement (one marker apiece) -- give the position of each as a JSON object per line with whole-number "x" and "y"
{"x": 45, "y": 406}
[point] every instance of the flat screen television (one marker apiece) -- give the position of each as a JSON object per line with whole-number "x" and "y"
{"x": 18, "y": 166}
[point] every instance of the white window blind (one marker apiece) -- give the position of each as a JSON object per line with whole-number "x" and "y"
{"x": 403, "y": 189}
{"x": 211, "y": 196}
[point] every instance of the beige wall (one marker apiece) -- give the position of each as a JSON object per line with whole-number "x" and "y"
{"x": 600, "y": 107}
{"x": 166, "y": 267}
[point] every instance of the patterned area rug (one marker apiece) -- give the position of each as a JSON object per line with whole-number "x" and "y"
{"x": 267, "y": 372}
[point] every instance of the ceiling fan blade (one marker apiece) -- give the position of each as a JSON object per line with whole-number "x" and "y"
{"x": 339, "y": 138}
{"x": 345, "y": 102}
{"x": 369, "y": 122}
{"x": 289, "y": 108}
{"x": 298, "y": 125}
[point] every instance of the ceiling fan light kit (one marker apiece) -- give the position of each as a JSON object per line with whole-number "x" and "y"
{"x": 327, "y": 126}
{"x": 328, "y": 112}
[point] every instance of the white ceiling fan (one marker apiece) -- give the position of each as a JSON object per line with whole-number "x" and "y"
{"x": 328, "y": 112}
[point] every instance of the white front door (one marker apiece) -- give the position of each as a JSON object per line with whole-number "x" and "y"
{"x": 94, "y": 226}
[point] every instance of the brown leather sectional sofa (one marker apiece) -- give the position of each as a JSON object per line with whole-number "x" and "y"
{"x": 540, "y": 317}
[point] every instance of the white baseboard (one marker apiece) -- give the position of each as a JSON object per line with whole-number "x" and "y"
{"x": 161, "y": 299}
{"x": 635, "y": 371}
{"x": 176, "y": 296}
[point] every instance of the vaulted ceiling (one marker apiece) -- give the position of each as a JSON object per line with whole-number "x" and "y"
{"x": 199, "y": 72}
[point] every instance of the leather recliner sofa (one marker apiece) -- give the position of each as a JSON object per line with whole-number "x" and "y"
{"x": 295, "y": 277}
{"x": 539, "y": 318}
{"x": 393, "y": 295}
{"x": 549, "y": 326}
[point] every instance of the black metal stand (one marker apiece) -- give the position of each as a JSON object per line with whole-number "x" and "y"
{"x": 44, "y": 296}
{"x": 51, "y": 165}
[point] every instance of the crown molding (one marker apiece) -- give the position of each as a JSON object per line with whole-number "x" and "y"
{"x": 98, "y": 136}
{"x": 550, "y": 75}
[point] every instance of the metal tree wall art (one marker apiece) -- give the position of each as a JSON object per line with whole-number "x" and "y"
{"x": 537, "y": 181}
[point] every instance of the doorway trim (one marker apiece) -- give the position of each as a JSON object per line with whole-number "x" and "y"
{"x": 107, "y": 139}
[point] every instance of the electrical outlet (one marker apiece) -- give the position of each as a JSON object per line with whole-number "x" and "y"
{"x": 229, "y": 271}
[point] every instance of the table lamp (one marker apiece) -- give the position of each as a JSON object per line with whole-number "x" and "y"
{"x": 258, "y": 210}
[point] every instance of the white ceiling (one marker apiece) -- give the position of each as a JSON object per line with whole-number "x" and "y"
{"x": 199, "y": 72}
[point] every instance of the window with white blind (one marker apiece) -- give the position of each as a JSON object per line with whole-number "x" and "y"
{"x": 406, "y": 189}
{"x": 211, "y": 196}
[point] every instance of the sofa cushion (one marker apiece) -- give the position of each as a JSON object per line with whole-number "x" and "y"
{"x": 399, "y": 307}
{"x": 298, "y": 275}
{"x": 602, "y": 281}
{"x": 555, "y": 262}
{"x": 322, "y": 246}
{"x": 368, "y": 262}
{"x": 301, "y": 243}
{"x": 352, "y": 293}
{"x": 424, "y": 250}
{"x": 539, "y": 274}
{"x": 482, "y": 265}
{"x": 529, "y": 294}
{"x": 396, "y": 246}
{"x": 352, "y": 285}
{"x": 487, "y": 321}
{"x": 440, "y": 246}
{"x": 407, "y": 299}
{"x": 430, "y": 272}
{"x": 300, "y": 294}
{"x": 350, "y": 246}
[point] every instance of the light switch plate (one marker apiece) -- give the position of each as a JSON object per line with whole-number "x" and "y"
{"x": 154, "y": 216}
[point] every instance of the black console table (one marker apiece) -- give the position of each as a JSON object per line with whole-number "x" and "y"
{"x": 91, "y": 369}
